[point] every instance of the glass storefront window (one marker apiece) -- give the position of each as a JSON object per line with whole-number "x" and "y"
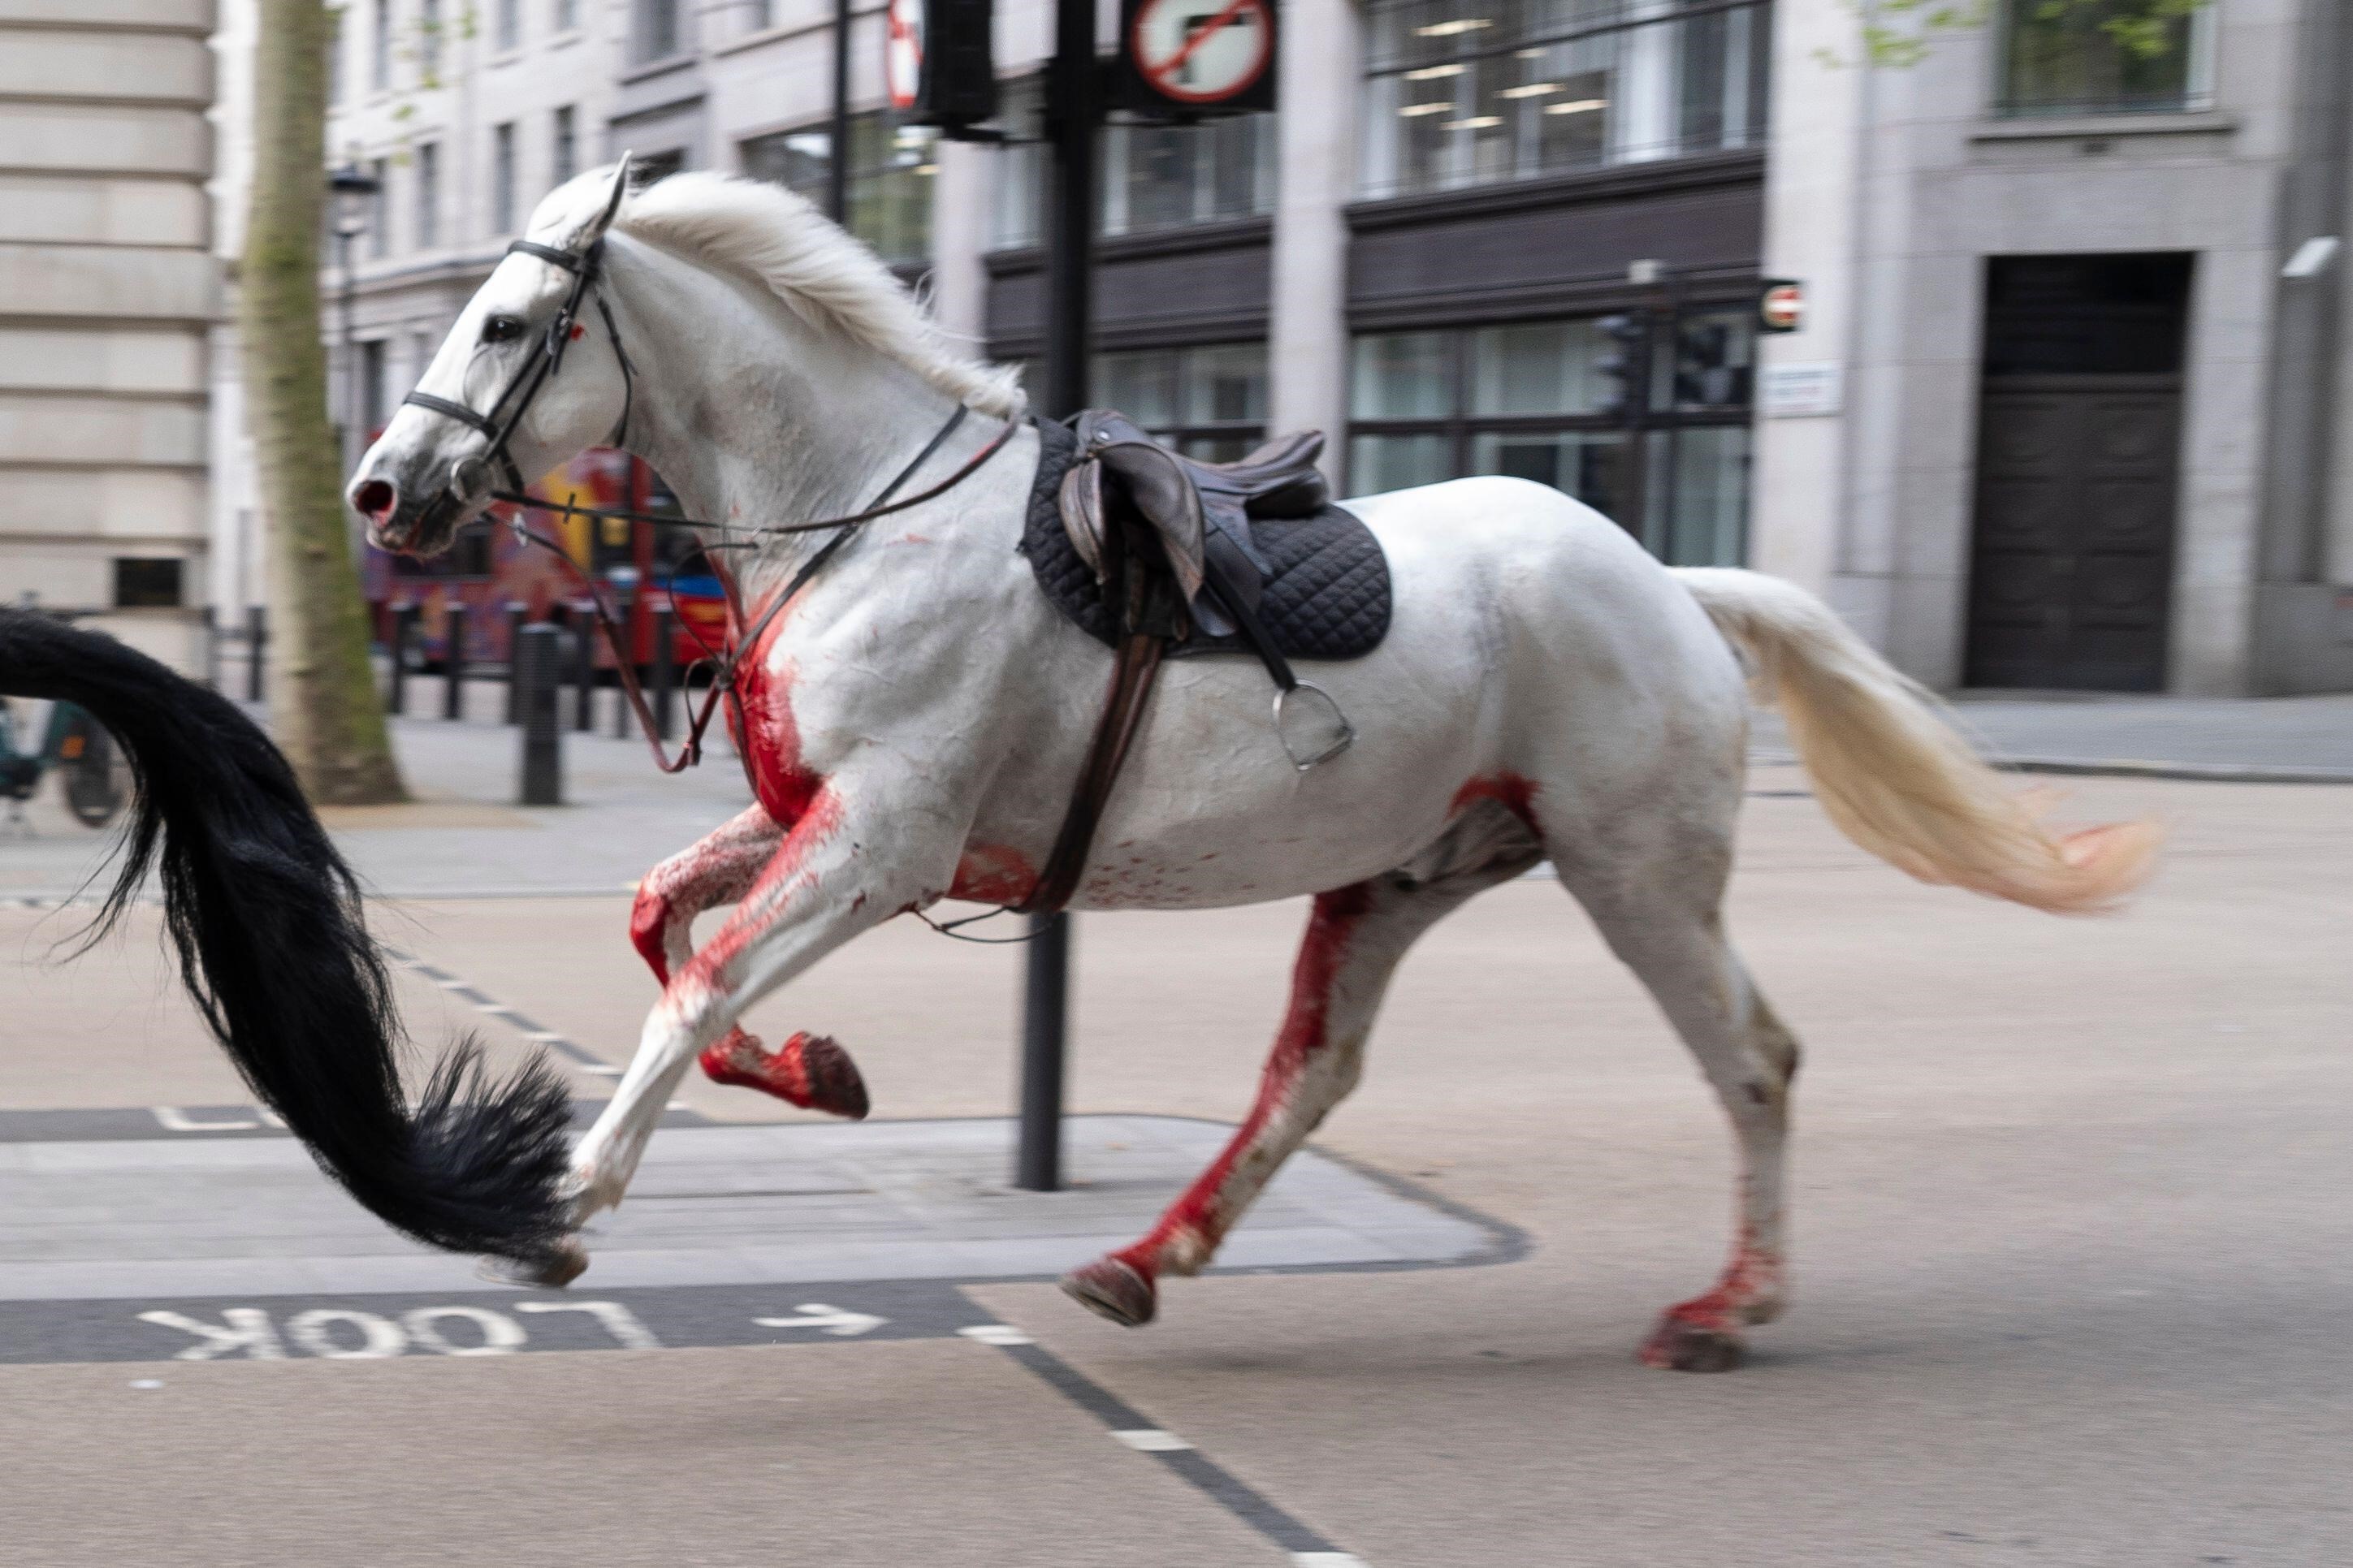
{"x": 1209, "y": 402}
{"x": 1473, "y": 92}
{"x": 890, "y": 184}
{"x": 1661, "y": 446}
{"x": 1155, "y": 178}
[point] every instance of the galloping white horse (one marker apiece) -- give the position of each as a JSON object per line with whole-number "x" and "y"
{"x": 916, "y": 717}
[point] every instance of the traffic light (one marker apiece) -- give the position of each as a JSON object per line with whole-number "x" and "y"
{"x": 937, "y": 62}
{"x": 1619, "y": 363}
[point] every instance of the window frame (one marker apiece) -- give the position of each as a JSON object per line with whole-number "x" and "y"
{"x": 1647, "y": 426}
{"x": 884, "y": 126}
{"x": 2197, "y": 92}
{"x": 1622, "y": 20}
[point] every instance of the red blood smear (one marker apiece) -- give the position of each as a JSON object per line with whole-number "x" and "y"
{"x": 1509, "y": 790}
{"x": 993, "y": 874}
{"x": 1312, "y": 977}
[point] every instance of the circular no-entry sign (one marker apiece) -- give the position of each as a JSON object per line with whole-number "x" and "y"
{"x": 903, "y": 52}
{"x": 1202, "y": 51}
{"x": 1781, "y": 305}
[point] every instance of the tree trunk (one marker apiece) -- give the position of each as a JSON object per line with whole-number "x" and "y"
{"x": 322, "y": 696}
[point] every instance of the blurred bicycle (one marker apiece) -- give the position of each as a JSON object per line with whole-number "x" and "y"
{"x": 96, "y": 777}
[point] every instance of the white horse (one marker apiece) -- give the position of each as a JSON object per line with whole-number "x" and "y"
{"x": 917, "y": 715}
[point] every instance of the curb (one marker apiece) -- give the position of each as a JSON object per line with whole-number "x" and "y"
{"x": 2128, "y": 767}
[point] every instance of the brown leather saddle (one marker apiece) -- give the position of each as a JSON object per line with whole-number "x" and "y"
{"x": 1159, "y": 554}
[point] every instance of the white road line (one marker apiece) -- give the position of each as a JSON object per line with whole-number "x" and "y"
{"x": 996, "y": 1334}
{"x": 1152, "y": 1440}
{"x": 1326, "y": 1560}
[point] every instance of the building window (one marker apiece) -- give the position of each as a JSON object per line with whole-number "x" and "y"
{"x": 567, "y": 16}
{"x": 2105, "y": 56}
{"x": 1153, "y": 176}
{"x": 655, "y": 35}
{"x": 379, "y": 209}
{"x": 890, "y": 182}
{"x": 428, "y": 43}
{"x": 565, "y": 160}
{"x": 428, "y": 194}
{"x": 148, "y": 584}
{"x": 507, "y": 35}
{"x": 1642, "y": 418}
{"x": 1475, "y": 92}
{"x": 380, "y": 47}
{"x": 502, "y": 178}
{"x": 1207, "y": 402}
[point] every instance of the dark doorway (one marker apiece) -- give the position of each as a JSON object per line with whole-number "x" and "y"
{"x": 2079, "y": 447}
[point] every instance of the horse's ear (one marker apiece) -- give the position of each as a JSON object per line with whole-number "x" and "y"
{"x": 594, "y": 230}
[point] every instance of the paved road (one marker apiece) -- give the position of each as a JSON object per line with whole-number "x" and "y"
{"x": 2072, "y": 1259}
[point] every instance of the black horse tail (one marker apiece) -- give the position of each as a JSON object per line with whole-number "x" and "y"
{"x": 274, "y": 947}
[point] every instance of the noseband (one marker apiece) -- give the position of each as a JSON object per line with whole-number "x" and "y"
{"x": 470, "y": 478}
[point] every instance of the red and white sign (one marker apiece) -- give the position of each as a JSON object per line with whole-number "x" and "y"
{"x": 1202, "y": 51}
{"x": 1781, "y": 307}
{"x": 903, "y": 52}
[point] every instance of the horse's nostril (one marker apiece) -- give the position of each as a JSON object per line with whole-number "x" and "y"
{"x": 374, "y": 500}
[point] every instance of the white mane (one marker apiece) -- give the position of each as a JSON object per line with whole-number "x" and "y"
{"x": 819, "y": 272}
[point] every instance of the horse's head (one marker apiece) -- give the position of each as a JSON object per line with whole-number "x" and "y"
{"x": 515, "y": 363}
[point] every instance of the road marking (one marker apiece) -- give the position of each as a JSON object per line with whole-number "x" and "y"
{"x": 1152, "y": 1440}
{"x": 996, "y": 1334}
{"x": 832, "y": 1320}
{"x": 172, "y": 1119}
{"x": 617, "y": 1320}
{"x": 1299, "y": 1542}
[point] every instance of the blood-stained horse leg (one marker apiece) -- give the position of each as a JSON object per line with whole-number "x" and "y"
{"x": 1674, "y": 942}
{"x": 807, "y": 1070}
{"x": 831, "y": 879}
{"x": 1355, "y": 939}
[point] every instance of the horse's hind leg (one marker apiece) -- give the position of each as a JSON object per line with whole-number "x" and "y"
{"x": 1662, "y": 919}
{"x": 807, "y": 1070}
{"x": 1355, "y": 938}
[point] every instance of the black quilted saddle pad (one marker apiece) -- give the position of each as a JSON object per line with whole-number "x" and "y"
{"x": 1327, "y": 595}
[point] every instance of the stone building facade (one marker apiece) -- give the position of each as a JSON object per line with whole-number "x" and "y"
{"x": 107, "y": 292}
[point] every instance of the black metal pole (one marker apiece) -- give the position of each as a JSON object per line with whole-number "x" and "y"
{"x": 582, "y": 620}
{"x": 1071, "y": 114}
{"x": 453, "y": 662}
{"x": 256, "y": 644}
{"x": 626, "y": 613}
{"x": 665, "y": 670}
{"x": 517, "y": 618}
{"x": 538, "y": 659}
{"x": 837, "y": 166}
{"x": 404, "y": 624}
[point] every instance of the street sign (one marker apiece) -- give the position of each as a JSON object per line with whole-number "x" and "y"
{"x": 1192, "y": 57}
{"x": 936, "y": 65}
{"x": 1780, "y": 305}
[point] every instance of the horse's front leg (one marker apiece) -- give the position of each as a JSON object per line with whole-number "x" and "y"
{"x": 851, "y": 862}
{"x": 807, "y": 1070}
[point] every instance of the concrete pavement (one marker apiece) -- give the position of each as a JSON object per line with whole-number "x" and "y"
{"x": 2070, "y": 1256}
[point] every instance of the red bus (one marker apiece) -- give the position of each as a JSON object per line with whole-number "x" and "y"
{"x": 637, "y": 566}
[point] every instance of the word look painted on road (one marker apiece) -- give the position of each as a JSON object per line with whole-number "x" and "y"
{"x": 344, "y": 1333}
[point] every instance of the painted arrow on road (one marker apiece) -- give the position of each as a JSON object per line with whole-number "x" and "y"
{"x": 831, "y": 1320}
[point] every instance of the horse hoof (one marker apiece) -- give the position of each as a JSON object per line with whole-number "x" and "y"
{"x": 808, "y": 1070}
{"x": 551, "y": 1271}
{"x": 1677, "y": 1345}
{"x": 1111, "y": 1289}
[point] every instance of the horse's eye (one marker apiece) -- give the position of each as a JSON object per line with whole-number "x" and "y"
{"x": 501, "y": 328}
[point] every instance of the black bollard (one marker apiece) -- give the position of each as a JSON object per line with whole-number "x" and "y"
{"x": 516, "y": 615}
{"x": 212, "y": 648}
{"x": 624, "y": 613}
{"x": 453, "y": 662}
{"x": 257, "y": 640}
{"x": 583, "y": 620}
{"x": 665, "y": 667}
{"x": 404, "y": 629}
{"x": 539, "y": 666}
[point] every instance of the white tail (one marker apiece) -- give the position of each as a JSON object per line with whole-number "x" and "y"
{"x": 1894, "y": 775}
